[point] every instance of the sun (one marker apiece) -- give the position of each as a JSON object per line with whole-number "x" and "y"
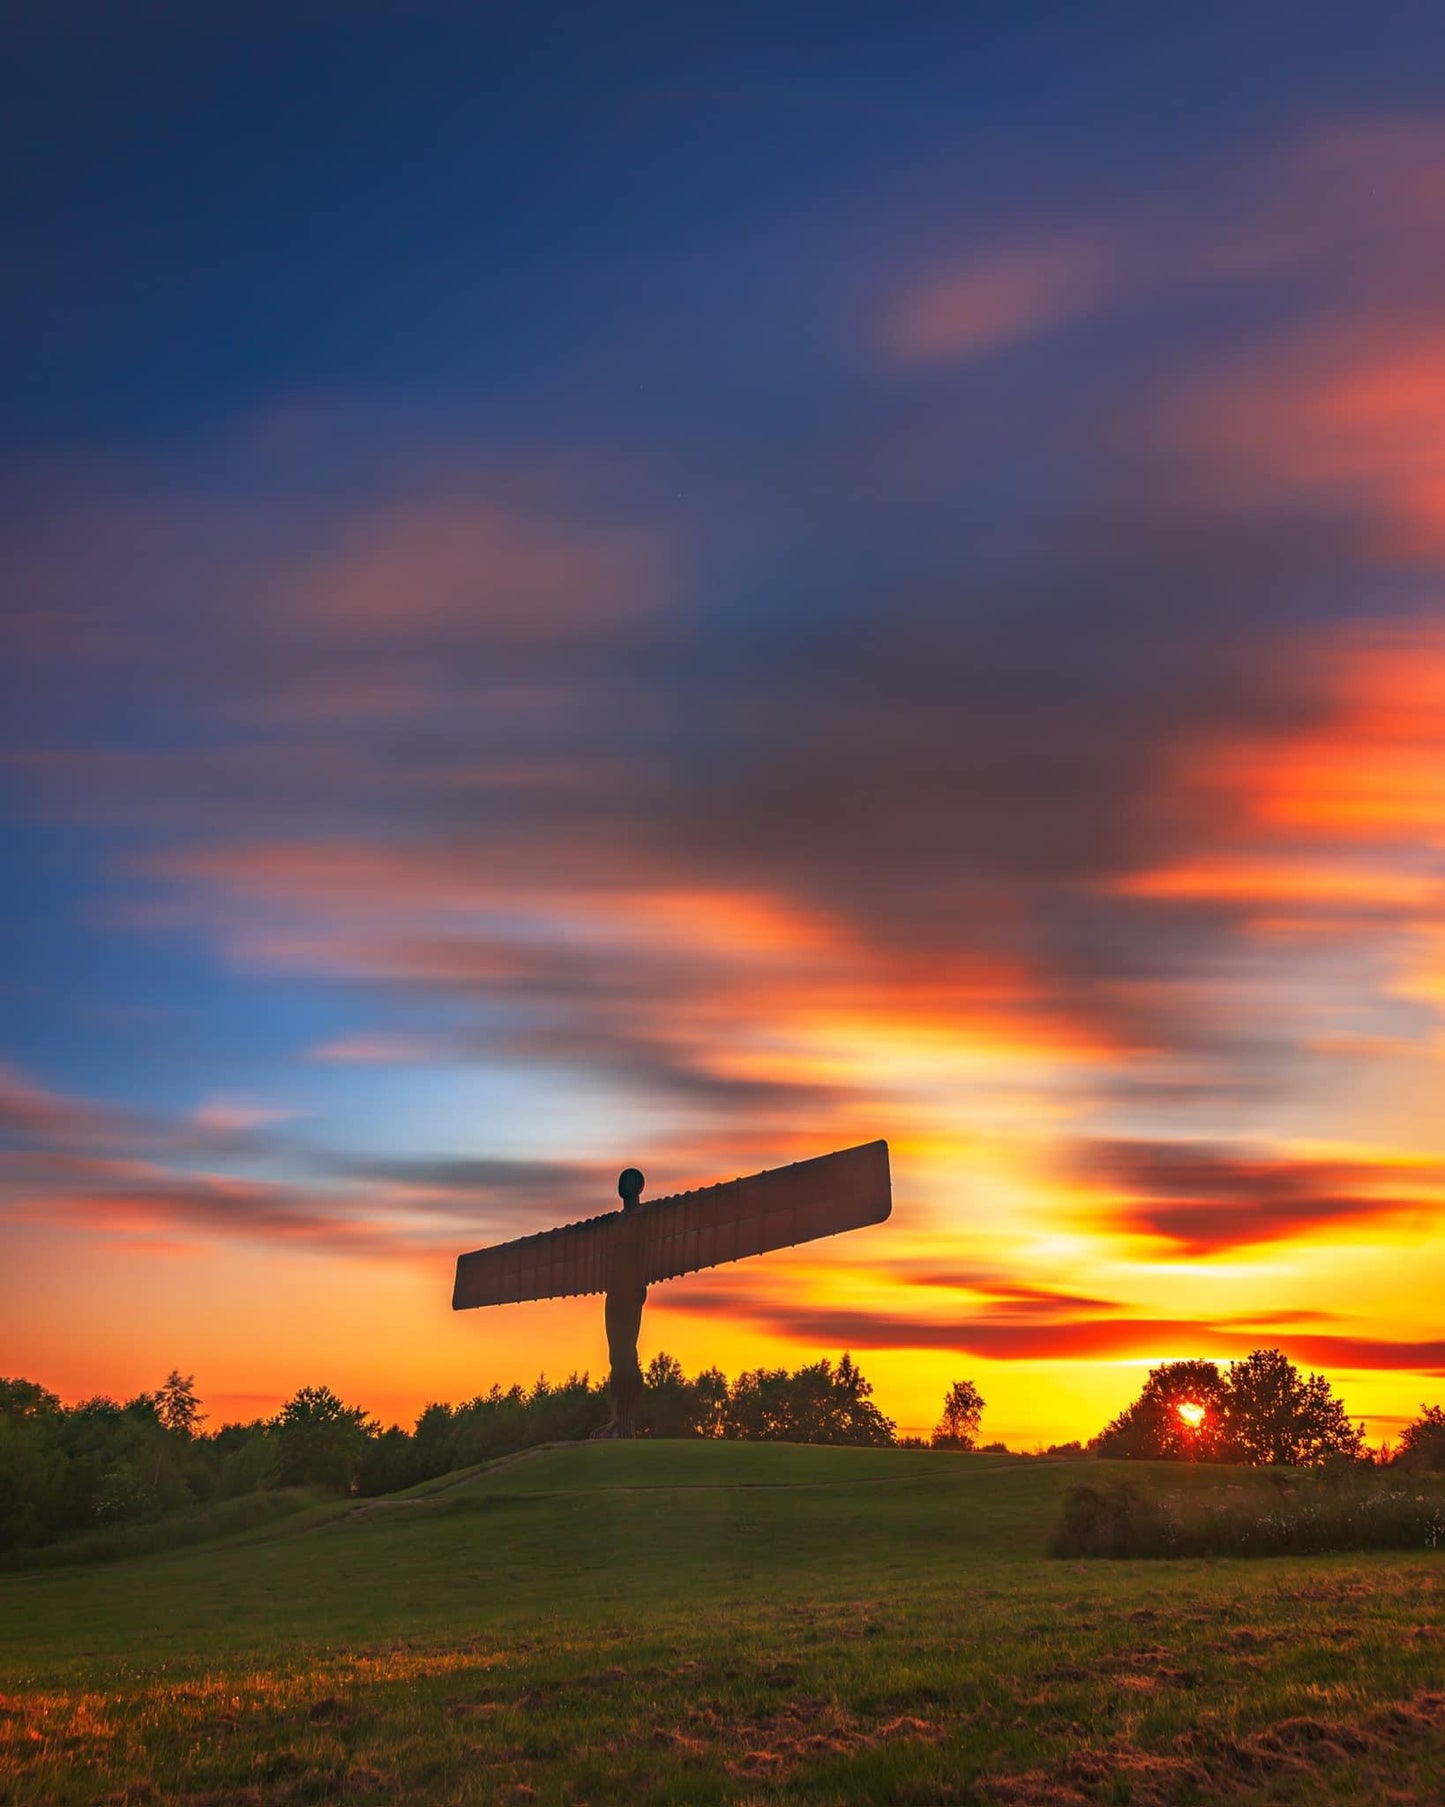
{"x": 1191, "y": 1412}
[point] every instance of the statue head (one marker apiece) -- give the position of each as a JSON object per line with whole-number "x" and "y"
{"x": 629, "y": 1187}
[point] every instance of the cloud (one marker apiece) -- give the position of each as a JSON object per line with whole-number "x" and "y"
{"x": 852, "y": 761}
{"x": 453, "y": 568}
{"x": 376, "y": 1048}
{"x": 999, "y": 297}
{"x": 137, "y": 1201}
{"x": 1350, "y": 208}
{"x": 408, "y": 1211}
{"x": 1002, "y": 1296}
{"x": 1079, "y": 1339}
{"x": 226, "y": 1116}
{"x": 325, "y": 611}
{"x": 29, "y": 1114}
{"x": 1341, "y": 413}
{"x": 1207, "y": 1199}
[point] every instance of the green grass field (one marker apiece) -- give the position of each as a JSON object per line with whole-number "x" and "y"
{"x": 719, "y": 1622}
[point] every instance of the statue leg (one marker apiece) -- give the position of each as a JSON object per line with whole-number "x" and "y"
{"x": 623, "y": 1312}
{"x": 626, "y": 1389}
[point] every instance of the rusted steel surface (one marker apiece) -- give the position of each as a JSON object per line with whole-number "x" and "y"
{"x": 773, "y": 1210}
{"x": 552, "y": 1265}
{"x": 687, "y": 1231}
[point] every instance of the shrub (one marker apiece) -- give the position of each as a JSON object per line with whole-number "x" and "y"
{"x": 1422, "y": 1442}
{"x": 1310, "y": 1519}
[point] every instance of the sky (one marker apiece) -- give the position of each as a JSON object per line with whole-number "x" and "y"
{"x": 692, "y": 586}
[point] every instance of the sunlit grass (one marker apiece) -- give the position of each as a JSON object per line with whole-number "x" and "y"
{"x": 720, "y": 1623}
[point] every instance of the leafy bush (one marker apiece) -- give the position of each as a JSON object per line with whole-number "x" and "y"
{"x": 1313, "y": 1519}
{"x": 193, "y": 1524}
{"x": 1119, "y": 1520}
{"x": 1422, "y": 1442}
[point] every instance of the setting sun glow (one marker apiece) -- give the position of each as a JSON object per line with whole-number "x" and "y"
{"x": 1191, "y": 1412}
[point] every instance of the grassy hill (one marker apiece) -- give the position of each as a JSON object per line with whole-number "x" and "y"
{"x": 709, "y": 1622}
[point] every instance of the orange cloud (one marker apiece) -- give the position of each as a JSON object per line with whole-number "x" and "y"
{"x": 1266, "y": 880}
{"x": 1332, "y": 819}
{"x": 1077, "y": 1339}
{"x": 1206, "y": 1199}
{"x": 1374, "y": 768}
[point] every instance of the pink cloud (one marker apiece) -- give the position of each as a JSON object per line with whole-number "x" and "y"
{"x": 1356, "y": 203}
{"x": 477, "y": 569}
{"x": 374, "y": 1050}
{"x": 227, "y": 1116}
{"x": 998, "y": 298}
{"x": 1345, "y": 410}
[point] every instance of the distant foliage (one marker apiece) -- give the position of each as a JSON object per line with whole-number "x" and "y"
{"x": 320, "y": 1441}
{"x": 1422, "y": 1442}
{"x": 818, "y": 1404}
{"x": 177, "y": 1406}
{"x": 1313, "y": 1518}
{"x": 1278, "y": 1415}
{"x": 65, "y": 1469}
{"x": 1262, "y": 1411}
{"x": 92, "y": 1470}
{"x": 963, "y": 1407}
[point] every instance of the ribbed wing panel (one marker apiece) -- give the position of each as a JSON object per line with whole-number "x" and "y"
{"x": 771, "y": 1210}
{"x": 551, "y": 1265}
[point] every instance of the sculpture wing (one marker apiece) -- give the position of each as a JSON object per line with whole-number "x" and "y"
{"x": 772, "y": 1210}
{"x": 551, "y": 1265}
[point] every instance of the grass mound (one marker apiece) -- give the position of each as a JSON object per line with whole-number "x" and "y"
{"x": 704, "y": 1623}
{"x": 193, "y": 1525}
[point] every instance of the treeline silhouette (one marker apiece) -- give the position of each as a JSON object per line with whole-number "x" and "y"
{"x": 1261, "y": 1411}
{"x": 68, "y": 1469}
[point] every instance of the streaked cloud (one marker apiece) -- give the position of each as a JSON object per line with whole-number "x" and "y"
{"x": 1040, "y": 766}
{"x": 374, "y": 1048}
{"x": 1000, "y": 297}
{"x": 1134, "y": 1338}
{"x": 1209, "y": 1199}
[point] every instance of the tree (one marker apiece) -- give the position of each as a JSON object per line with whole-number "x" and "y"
{"x": 1263, "y": 1411}
{"x": 320, "y": 1441}
{"x": 962, "y": 1410}
{"x": 710, "y": 1394}
{"x": 31, "y": 1462}
{"x": 1180, "y": 1416}
{"x": 177, "y": 1406}
{"x": 1276, "y": 1415}
{"x": 1422, "y": 1442}
{"x": 668, "y": 1407}
{"x": 818, "y": 1404}
{"x": 24, "y": 1399}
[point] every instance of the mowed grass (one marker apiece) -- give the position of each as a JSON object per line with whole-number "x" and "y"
{"x": 720, "y": 1622}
